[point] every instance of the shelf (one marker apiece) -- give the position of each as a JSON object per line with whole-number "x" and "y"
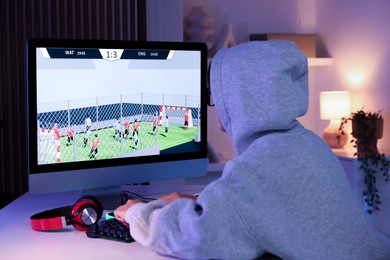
{"x": 312, "y": 62}
{"x": 320, "y": 62}
{"x": 349, "y": 153}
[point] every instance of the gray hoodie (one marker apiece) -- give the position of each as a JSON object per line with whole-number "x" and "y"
{"x": 285, "y": 193}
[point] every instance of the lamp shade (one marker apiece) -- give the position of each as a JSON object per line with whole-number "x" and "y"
{"x": 334, "y": 104}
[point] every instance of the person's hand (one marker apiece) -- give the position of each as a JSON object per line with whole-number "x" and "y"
{"x": 120, "y": 212}
{"x": 177, "y": 195}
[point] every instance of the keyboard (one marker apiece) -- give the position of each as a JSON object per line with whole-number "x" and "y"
{"x": 111, "y": 229}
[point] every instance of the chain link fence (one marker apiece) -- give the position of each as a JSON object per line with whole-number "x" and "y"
{"x": 108, "y": 127}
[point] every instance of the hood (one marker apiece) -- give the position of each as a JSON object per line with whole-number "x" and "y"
{"x": 259, "y": 87}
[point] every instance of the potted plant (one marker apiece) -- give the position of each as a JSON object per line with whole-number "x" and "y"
{"x": 367, "y": 128}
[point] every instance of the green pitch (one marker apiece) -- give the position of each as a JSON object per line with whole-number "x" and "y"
{"x": 111, "y": 146}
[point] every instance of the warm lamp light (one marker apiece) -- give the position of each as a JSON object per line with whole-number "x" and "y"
{"x": 334, "y": 105}
{"x": 356, "y": 78}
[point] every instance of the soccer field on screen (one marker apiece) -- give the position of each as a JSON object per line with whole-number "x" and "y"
{"x": 111, "y": 146}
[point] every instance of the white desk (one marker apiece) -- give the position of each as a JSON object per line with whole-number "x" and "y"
{"x": 19, "y": 241}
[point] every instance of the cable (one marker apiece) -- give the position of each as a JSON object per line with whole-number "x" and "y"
{"x": 128, "y": 195}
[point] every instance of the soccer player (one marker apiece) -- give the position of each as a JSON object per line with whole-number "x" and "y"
{"x": 94, "y": 148}
{"x": 154, "y": 123}
{"x": 88, "y": 123}
{"x": 85, "y": 140}
{"x": 118, "y": 129}
{"x": 127, "y": 128}
{"x": 57, "y": 141}
{"x": 70, "y": 136}
{"x": 166, "y": 124}
{"x": 135, "y": 139}
{"x": 186, "y": 119}
{"x": 135, "y": 127}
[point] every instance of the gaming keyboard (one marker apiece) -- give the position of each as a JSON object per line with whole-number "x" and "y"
{"x": 111, "y": 229}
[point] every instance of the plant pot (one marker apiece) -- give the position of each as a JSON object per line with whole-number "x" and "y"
{"x": 367, "y": 131}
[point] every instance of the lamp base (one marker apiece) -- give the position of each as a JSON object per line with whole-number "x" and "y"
{"x": 333, "y": 142}
{"x": 332, "y": 132}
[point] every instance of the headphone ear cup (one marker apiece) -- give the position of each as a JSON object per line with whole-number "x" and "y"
{"x": 86, "y": 212}
{"x": 96, "y": 202}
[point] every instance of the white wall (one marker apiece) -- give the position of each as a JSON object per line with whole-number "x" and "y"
{"x": 251, "y": 17}
{"x": 164, "y": 20}
{"x": 357, "y": 37}
{"x": 353, "y": 32}
{"x": 257, "y": 16}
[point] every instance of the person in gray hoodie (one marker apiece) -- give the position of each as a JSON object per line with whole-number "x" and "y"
{"x": 285, "y": 193}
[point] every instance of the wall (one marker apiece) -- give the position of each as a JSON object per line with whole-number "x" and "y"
{"x": 352, "y": 32}
{"x": 257, "y": 16}
{"x": 357, "y": 38}
{"x": 250, "y": 17}
{"x": 164, "y": 20}
{"x": 24, "y": 19}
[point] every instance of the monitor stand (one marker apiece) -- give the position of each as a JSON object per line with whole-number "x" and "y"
{"x": 188, "y": 186}
{"x": 155, "y": 191}
{"x": 111, "y": 197}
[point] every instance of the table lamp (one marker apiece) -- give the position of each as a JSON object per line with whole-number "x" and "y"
{"x": 334, "y": 105}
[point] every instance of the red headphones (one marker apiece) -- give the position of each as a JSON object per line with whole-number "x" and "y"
{"x": 85, "y": 212}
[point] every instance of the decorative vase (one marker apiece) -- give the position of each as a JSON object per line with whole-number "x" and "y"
{"x": 227, "y": 38}
{"x": 367, "y": 132}
{"x": 198, "y": 29}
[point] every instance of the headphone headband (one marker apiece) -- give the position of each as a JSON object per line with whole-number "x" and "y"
{"x": 85, "y": 212}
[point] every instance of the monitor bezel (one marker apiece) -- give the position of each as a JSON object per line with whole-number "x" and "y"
{"x": 32, "y": 44}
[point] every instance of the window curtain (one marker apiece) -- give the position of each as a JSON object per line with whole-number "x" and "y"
{"x": 24, "y": 19}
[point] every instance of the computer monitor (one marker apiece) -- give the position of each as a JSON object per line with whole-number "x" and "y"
{"x": 105, "y": 113}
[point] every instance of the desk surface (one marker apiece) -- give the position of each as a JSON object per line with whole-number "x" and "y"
{"x": 19, "y": 241}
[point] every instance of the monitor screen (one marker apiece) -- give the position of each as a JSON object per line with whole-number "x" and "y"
{"x": 104, "y": 113}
